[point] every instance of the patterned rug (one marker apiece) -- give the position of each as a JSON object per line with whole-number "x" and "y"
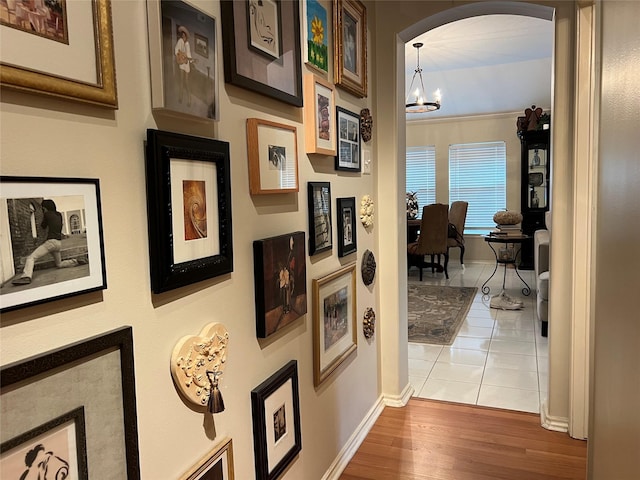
{"x": 437, "y": 312}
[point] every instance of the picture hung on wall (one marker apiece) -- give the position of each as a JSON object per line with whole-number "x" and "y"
{"x": 53, "y": 245}
{"x": 273, "y": 157}
{"x": 40, "y": 56}
{"x": 335, "y": 335}
{"x": 346, "y": 214}
{"x": 348, "y": 155}
{"x": 280, "y": 274}
{"x": 188, "y": 209}
{"x": 350, "y": 46}
{"x": 277, "y": 438}
{"x": 319, "y": 116}
{"x": 261, "y": 47}
{"x": 216, "y": 465}
{"x": 320, "y": 233}
{"x": 316, "y": 30}
{"x": 183, "y": 60}
{"x": 53, "y": 388}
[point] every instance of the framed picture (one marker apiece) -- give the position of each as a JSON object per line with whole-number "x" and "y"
{"x": 335, "y": 335}
{"x": 216, "y": 465}
{"x": 319, "y": 119}
{"x": 261, "y": 40}
{"x": 189, "y": 209}
{"x": 280, "y": 274}
{"x": 277, "y": 437}
{"x": 39, "y": 55}
{"x": 51, "y": 240}
{"x": 350, "y": 46}
{"x": 347, "y": 215}
{"x": 320, "y": 234}
{"x": 183, "y": 60}
{"x": 316, "y": 29}
{"x": 273, "y": 157}
{"x": 348, "y": 155}
{"x": 74, "y": 409}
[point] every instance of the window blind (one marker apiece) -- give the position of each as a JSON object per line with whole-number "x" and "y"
{"x": 421, "y": 174}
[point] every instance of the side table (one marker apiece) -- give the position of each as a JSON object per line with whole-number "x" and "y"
{"x": 505, "y": 260}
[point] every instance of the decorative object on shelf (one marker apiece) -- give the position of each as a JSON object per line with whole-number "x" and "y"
{"x": 507, "y": 217}
{"x": 534, "y": 119}
{"x": 280, "y": 276}
{"x": 277, "y": 437}
{"x": 316, "y": 51}
{"x": 261, "y": 48}
{"x": 412, "y": 205}
{"x": 273, "y": 157}
{"x": 350, "y": 46}
{"x": 95, "y": 376}
{"x": 183, "y": 57}
{"x": 366, "y": 211}
{"x": 319, "y": 116}
{"x": 45, "y": 218}
{"x": 416, "y": 101}
{"x": 347, "y": 239}
{"x": 368, "y": 268}
{"x": 217, "y": 464}
{"x": 369, "y": 323}
{"x": 536, "y": 179}
{"x": 42, "y": 66}
{"x": 366, "y": 124}
{"x": 319, "y": 204}
{"x": 197, "y": 363}
{"x": 348, "y": 154}
{"x": 188, "y": 208}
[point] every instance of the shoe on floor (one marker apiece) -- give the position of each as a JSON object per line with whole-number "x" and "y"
{"x": 22, "y": 281}
{"x": 513, "y": 300}
{"x": 501, "y": 303}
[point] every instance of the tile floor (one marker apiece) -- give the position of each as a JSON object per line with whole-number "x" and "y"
{"x": 498, "y": 359}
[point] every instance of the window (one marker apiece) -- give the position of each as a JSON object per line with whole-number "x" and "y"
{"x": 421, "y": 174}
{"x": 478, "y": 175}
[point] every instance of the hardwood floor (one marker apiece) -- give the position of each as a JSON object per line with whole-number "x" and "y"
{"x": 436, "y": 440}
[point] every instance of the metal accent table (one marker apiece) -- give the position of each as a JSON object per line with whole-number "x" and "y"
{"x": 517, "y": 240}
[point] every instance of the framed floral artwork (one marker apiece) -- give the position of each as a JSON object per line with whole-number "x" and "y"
{"x": 316, "y": 31}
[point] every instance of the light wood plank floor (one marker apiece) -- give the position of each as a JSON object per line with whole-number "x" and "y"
{"x": 436, "y": 440}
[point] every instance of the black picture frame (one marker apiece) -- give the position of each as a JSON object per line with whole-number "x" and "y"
{"x": 64, "y": 374}
{"x": 346, "y": 222}
{"x": 279, "y": 395}
{"x": 175, "y": 259}
{"x": 246, "y": 67}
{"x": 320, "y": 230}
{"x": 348, "y": 150}
{"x": 31, "y": 230}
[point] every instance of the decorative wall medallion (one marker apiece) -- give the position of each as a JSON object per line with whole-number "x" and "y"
{"x": 366, "y": 124}
{"x": 197, "y": 363}
{"x": 369, "y": 322}
{"x": 368, "y": 267}
{"x": 366, "y": 211}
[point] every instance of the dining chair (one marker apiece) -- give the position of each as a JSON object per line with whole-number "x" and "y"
{"x": 432, "y": 239}
{"x": 457, "y": 218}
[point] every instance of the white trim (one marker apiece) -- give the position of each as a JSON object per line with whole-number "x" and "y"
{"x": 556, "y": 424}
{"x": 399, "y": 400}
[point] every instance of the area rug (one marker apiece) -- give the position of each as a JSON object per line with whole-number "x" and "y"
{"x": 437, "y": 312}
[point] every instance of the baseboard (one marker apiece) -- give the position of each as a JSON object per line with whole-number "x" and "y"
{"x": 399, "y": 400}
{"x": 557, "y": 424}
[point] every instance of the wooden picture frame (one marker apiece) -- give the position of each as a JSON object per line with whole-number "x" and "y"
{"x": 277, "y": 437}
{"x": 253, "y": 68}
{"x": 350, "y": 46}
{"x": 280, "y": 274}
{"x": 346, "y": 221}
{"x": 319, "y": 116}
{"x": 335, "y": 333}
{"x": 316, "y": 33}
{"x": 272, "y": 150}
{"x": 65, "y": 374}
{"x": 37, "y": 63}
{"x": 184, "y": 74}
{"x": 189, "y": 209}
{"x": 47, "y": 223}
{"x": 217, "y": 464}
{"x": 348, "y": 156}
{"x": 320, "y": 230}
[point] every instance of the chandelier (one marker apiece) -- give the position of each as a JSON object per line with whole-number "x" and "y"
{"x": 416, "y": 99}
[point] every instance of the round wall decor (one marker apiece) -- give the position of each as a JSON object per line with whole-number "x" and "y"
{"x": 369, "y": 322}
{"x": 368, "y": 267}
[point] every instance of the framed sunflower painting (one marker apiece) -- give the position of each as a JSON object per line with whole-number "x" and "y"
{"x": 315, "y": 32}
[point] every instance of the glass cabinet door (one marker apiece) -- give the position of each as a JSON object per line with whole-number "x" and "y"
{"x": 538, "y": 183}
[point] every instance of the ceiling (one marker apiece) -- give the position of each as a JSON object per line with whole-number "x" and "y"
{"x": 483, "y": 65}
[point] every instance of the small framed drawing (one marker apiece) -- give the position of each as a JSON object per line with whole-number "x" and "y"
{"x": 348, "y": 155}
{"x": 273, "y": 157}
{"x": 261, "y": 40}
{"x": 84, "y": 425}
{"x": 346, "y": 215}
{"x": 319, "y": 119}
{"x": 320, "y": 234}
{"x": 335, "y": 335}
{"x": 183, "y": 60}
{"x": 280, "y": 274}
{"x": 316, "y": 50}
{"x": 52, "y": 244}
{"x": 189, "y": 209}
{"x": 350, "y": 46}
{"x": 277, "y": 437}
{"x": 59, "y": 444}
{"x": 216, "y": 465}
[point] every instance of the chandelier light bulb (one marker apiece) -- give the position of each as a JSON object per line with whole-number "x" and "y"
{"x": 419, "y": 103}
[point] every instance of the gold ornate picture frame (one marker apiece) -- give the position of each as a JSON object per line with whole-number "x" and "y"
{"x": 350, "y": 46}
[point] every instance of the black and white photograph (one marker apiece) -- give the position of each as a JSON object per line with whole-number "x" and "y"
{"x": 279, "y": 423}
{"x": 319, "y": 201}
{"x": 348, "y": 157}
{"x": 347, "y": 242}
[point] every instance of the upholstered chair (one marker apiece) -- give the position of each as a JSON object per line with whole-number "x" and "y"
{"x": 432, "y": 239}
{"x": 457, "y": 218}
